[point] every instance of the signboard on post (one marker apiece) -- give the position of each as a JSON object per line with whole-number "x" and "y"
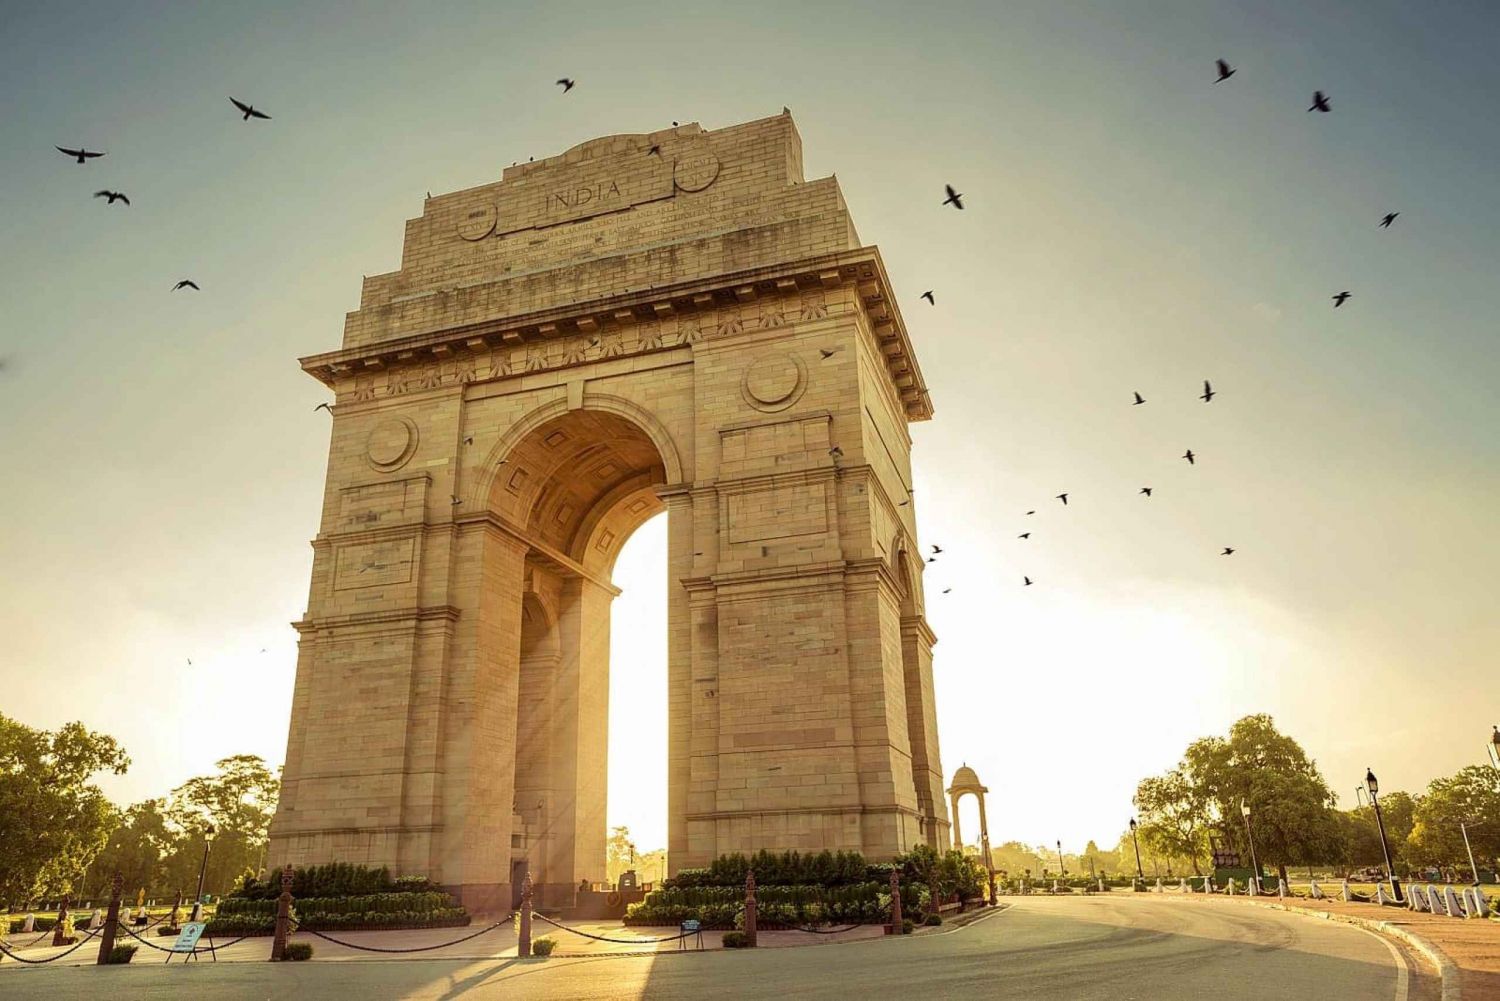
{"x": 690, "y": 927}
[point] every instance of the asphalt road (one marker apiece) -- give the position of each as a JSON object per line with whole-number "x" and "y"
{"x": 1077, "y": 948}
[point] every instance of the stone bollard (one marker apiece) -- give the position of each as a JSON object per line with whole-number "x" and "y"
{"x": 176, "y": 906}
{"x": 1182, "y": 886}
{"x": 1481, "y": 905}
{"x": 1253, "y": 886}
{"x": 1381, "y": 897}
{"x": 29, "y": 925}
{"x": 1282, "y": 890}
{"x": 62, "y": 918}
{"x": 1414, "y": 899}
{"x": 1450, "y": 900}
{"x": 750, "y": 909}
{"x": 283, "y": 916}
{"x": 523, "y": 944}
{"x": 1231, "y": 886}
{"x": 1434, "y": 900}
{"x": 1159, "y": 887}
{"x": 1347, "y": 893}
{"x": 111, "y": 919}
{"x": 1315, "y": 891}
{"x": 895, "y": 903}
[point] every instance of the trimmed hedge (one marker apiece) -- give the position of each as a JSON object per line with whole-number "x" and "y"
{"x": 40, "y": 925}
{"x": 786, "y": 869}
{"x": 336, "y": 879}
{"x": 776, "y": 906}
{"x": 379, "y": 902}
{"x": 296, "y": 952}
{"x": 427, "y": 909}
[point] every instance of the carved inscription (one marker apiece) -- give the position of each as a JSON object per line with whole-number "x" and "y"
{"x": 373, "y": 564}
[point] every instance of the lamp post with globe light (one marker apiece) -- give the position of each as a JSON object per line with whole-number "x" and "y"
{"x": 208, "y": 838}
{"x": 1139, "y": 872}
{"x": 1390, "y": 871}
{"x": 1250, "y": 836}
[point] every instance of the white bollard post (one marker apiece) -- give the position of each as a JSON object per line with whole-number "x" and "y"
{"x": 1159, "y": 887}
{"x": 1282, "y": 890}
{"x": 1481, "y": 905}
{"x": 1435, "y": 900}
{"x": 1414, "y": 900}
{"x": 1316, "y": 891}
{"x": 1348, "y": 894}
{"x": 1255, "y": 885}
{"x": 1231, "y": 886}
{"x": 29, "y": 925}
{"x": 1450, "y": 901}
{"x": 1208, "y": 884}
{"x": 1380, "y": 896}
{"x": 1183, "y": 887}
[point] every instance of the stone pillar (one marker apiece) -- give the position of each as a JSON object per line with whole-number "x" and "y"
{"x": 958, "y": 833}
{"x": 111, "y": 919}
{"x": 750, "y": 909}
{"x": 62, "y": 917}
{"x": 176, "y": 906}
{"x": 896, "y": 900}
{"x": 283, "y": 915}
{"x": 523, "y": 945}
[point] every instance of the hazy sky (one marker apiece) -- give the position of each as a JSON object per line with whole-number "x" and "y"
{"x": 1131, "y": 226}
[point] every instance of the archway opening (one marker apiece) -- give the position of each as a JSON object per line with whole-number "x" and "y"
{"x": 638, "y": 707}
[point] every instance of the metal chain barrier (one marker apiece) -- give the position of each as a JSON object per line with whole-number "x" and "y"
{"x": 617, "y": 941}
{"x": 51, "y": 959}
{"x": 211, "y": 947}
{"x": 420, "y": 948}
{"x": 826, "y": 931}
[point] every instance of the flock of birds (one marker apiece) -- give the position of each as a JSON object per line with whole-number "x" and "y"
{"x": 1321, "y": 104}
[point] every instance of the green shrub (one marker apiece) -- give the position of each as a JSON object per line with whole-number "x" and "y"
{"x": 121, "y": 954}
{"x": 40, "y": 925}
{"x": 790, "y": 868}
{"x": 163, "y": 931}
{"x": 296, "y": 952}
{"x": 543, "y": 946}
{"x": 933, "y": 920}
{"x": 735, "y": 940}
{"x": 907, "y": 926}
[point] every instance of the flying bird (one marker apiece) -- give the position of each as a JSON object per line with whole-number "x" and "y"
{"x": 1061, "y": 497}
{"x": 1225, "y": 72}
{"x": 836, "y": 452}
{"x": 566, "y": 84}
{"x": 1188, "y": 455}
{"x": 937, "y": 549}
{"x": 1139, "y": 399}
{"x": 1031, "y": 512}
{"x": 1027, "y": 580}
{"x": 827, "y": 352}
{"x": 904, "y": 503}
{"x": 1320, "y": 102}
{"x": 186, "y": 283}
{"x": 932, "y": 559}
{"x": 80, "y": 154}
{"x": 1024, "y": 535}
{"x": 468, "y": 439}
{"x": 1227, "y": 551}
{"x": 113, "y": 196}
{"x": 1208, "y": 393}
{"x": 455, "y": 500}
{"x": 954, "y": 198}
{"x": 323, "y": 406}
{"x": 1390, "y": 217}
{"x": 1338, "y": 300}
{"x": 928, "y": 296}
{"x": 249, "y": 111}
{"x": 947, "y": 589}
{"x": 1146, "y": 491}
{"x": 190, "y": 662}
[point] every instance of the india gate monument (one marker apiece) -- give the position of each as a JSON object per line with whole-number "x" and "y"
{"x": 673, "y": 321}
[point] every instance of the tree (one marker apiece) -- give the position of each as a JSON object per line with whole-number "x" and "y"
{"x": 1175, "y": 815}
{"x": 138, "y": 848}
{"x": 1291, "y": 806}
{"x": 238, "y": 802}
{"x": 53, "y": 821}
{"x": 1014, "y": 859}
{"x": 1362, "y": 833}
{"x": 619, "y": 854}
{"x": 1472, "y": 795}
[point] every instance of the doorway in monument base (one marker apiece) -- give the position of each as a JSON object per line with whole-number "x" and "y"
{"x": 582, "y": 484}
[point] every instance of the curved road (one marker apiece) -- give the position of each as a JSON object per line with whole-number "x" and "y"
{"x": 1114, "y": 948}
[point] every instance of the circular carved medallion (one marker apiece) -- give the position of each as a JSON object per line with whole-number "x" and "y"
{"x": 695, "y": 171}
{"x": 478, "y": 222}
{"x": 773, "y": 382}
{"x": 391, "y": 443}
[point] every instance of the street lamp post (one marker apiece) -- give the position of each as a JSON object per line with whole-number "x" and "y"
{"x": 1061, "y": 868}
{"x": 1250, "y": 836}
{"x": 1463, "y": 825}
{"x": 1390, "y": 871}
{"x": 1359, "y": 795}
{"x": 1139, "y": 872}
{"x": 208, "y": 838}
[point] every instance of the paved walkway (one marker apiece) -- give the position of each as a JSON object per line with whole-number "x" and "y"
{"x": 1108, "y": 948}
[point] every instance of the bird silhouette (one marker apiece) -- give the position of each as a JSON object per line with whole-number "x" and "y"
{"x": 947, "y": 589}
{"x": 1061, "y": 497}
{"x": 565, "y": 84}
{"x": 1188, "y": 455}
{"x": 653, "y": 151}
{"x": 1139, "y": 399}
{"x": 1208, "y": 393}
{"x": 1320, "y": 102}
{"x": 1228, "y": 551}
{"x": 937, "y": 549}
{"x": 1225, "y": 72}
{"x": 903, "y": 503}
{"x": 468, "y": 439}
{"x": 323, "y": 406}
{"x": 1390, "y": 217}
{"x": 80, "y": 154}
{"x": 113, "y": 196}
{"x": 190, "y": 662}
{"x": 1146, "y": 491}
{"x": 249, "y": 110}
{"x": 954, "y": 198}
{"x": 1024, "y": 535}
{"x": 827, "y": 352}
{"x": 187, "y": 283}
{"x": 928, "y": 296}
{"x": 932, "y": 559}
{"x": 1031, "y": 512}
{"x": 1027, "y": 580}
{"x": 836, "y": 452}
{"x": 456, "y": 502}
{"x": 1338, "y": 300}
